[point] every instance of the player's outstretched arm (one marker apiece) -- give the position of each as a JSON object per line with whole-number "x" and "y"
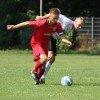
{"x": 12, "y": 27}
{"x": 69, "y": 43}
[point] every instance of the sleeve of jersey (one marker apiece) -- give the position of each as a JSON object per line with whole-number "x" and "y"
{"x": 35, "y": 24}
{"x": 60, "y": 31}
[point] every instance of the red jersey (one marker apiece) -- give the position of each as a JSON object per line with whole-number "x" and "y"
{"x": 43, "y": 32}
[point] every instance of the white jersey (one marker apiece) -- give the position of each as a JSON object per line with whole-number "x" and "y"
{"x": 66, "y": 24}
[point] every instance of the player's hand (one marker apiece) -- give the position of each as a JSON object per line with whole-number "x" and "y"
{"x": 38, "y": 17}
{"x": 69, "y": 44}
{"x": 10, "y": 27}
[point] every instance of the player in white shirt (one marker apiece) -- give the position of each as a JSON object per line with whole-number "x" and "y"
{"x": 68, "y": 25}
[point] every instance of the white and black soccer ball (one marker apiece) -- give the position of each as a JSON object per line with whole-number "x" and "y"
{"x": 66, "y": 80}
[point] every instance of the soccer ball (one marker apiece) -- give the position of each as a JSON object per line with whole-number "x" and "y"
{"x": 66, "y": 80}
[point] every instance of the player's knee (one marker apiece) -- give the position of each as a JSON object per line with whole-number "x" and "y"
{"x": 52, "y": 60}
{"x": 50, "y": 55}
{"x": 44, "y": 58}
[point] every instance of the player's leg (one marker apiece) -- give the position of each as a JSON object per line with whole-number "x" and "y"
{"x": 41, "y": 71}
{"x": 48, "y": 63}
{"x": 40, "y": 58}
{"x": 40, "y": 62}
{"x": 38, "y": 66}
{"x": 51, "y": 57}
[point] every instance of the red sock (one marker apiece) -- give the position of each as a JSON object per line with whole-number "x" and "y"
{"x": 37, "y": 66}
{"x": 40, "y": 72}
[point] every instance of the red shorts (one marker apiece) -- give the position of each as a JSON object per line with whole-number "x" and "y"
{"x": 38, "y": 50}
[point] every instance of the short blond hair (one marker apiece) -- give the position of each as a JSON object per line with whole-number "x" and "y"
{"x": 81, "y": 18}
{"x": 55, "y": 11}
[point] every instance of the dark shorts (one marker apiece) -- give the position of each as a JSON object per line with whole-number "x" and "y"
{"x": 52, "y": 46}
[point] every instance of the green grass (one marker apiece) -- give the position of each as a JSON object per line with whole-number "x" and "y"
{"x": 16, "y": 82}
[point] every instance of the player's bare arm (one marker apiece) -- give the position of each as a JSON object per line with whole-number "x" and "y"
{"x": 12, "y": 27}
{"x": 69, "y": 43}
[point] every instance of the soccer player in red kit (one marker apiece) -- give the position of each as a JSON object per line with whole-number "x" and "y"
{"x": 40, "y": 39}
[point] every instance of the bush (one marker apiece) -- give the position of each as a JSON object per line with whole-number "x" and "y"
{"x": 71, "y": 36}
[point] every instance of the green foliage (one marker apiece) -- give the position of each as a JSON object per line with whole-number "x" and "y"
{"x": 16, "y": 11}
{"x": 25, "y": 36}
{"x": 31, "y": 14}
{"x": 71, "y": 36}
{"x": 27, "y": 32}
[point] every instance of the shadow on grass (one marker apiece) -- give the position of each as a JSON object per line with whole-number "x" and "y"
{"x": 74, "y": 84}
{"x": 87, "y": 84}
{"x": 93, "y": 52}
{"x": 51, "y": 84}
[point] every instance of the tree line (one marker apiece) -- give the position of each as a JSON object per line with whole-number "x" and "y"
{"x": 16, "y": 11}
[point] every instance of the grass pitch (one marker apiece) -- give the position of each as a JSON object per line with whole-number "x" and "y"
{"x": 16, "y": 82}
